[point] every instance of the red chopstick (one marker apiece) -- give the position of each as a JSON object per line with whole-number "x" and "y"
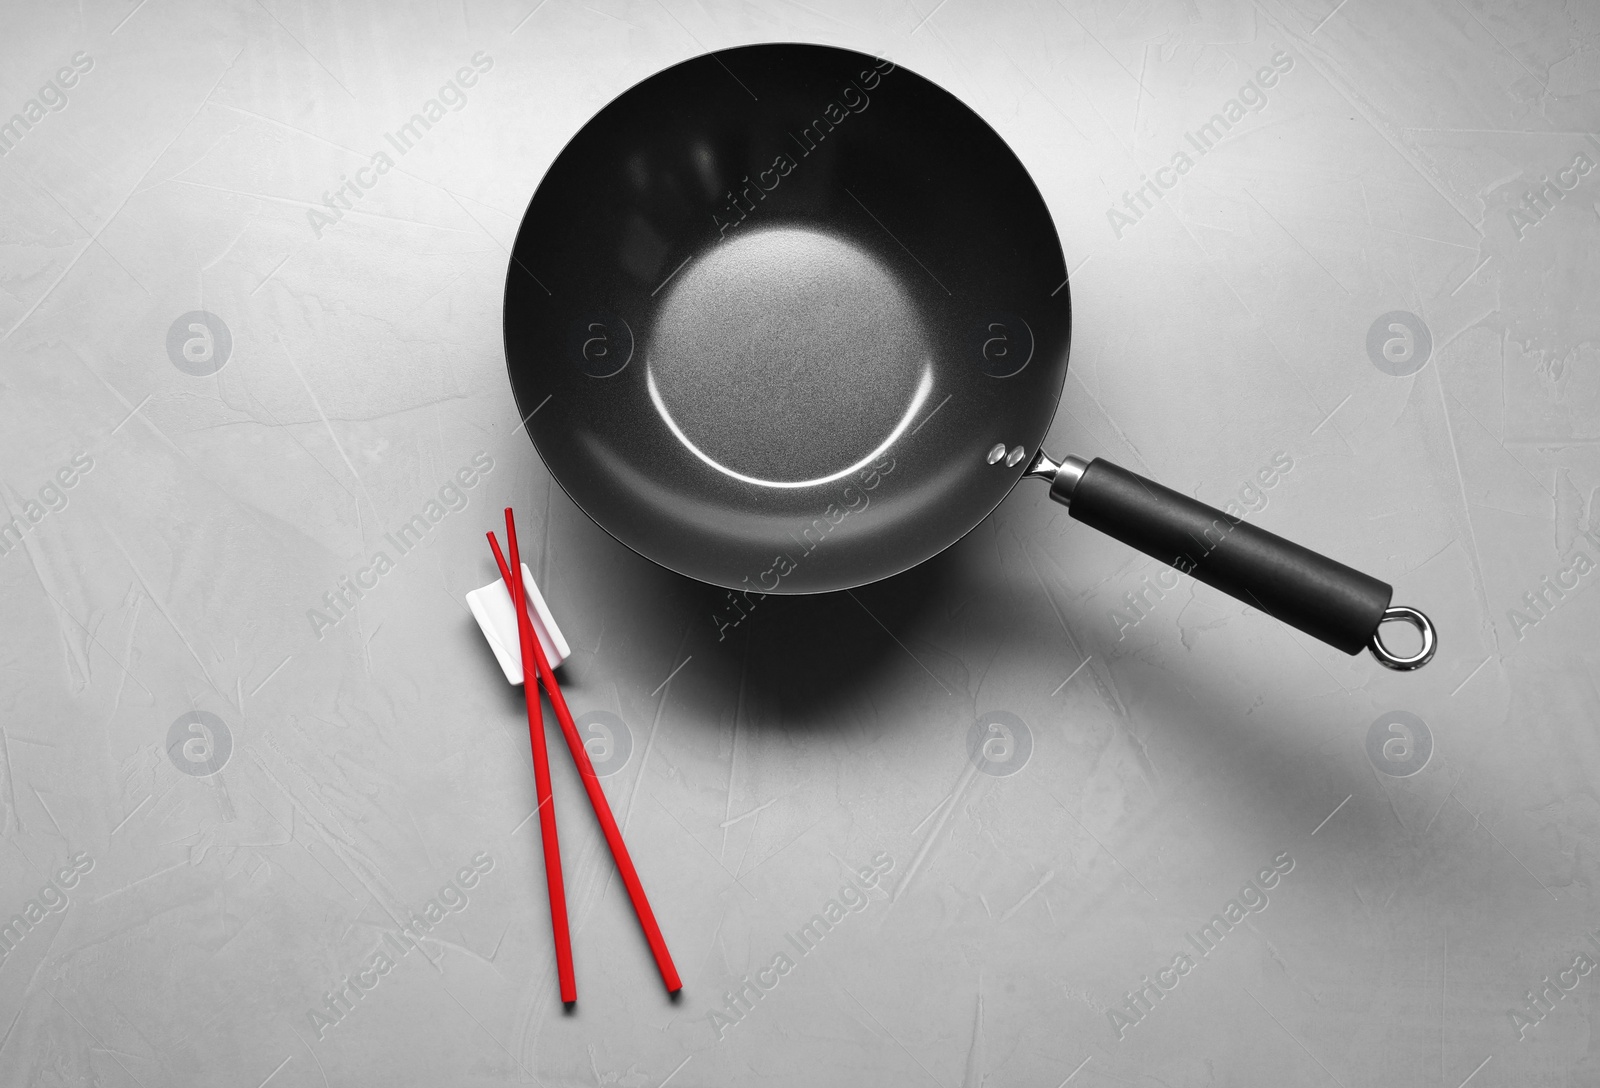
{"x": 597, "y": 796}
{"x": 541, "y": 772}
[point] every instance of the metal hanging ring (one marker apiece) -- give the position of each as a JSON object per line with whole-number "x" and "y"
{"x": 1424, "y": 627}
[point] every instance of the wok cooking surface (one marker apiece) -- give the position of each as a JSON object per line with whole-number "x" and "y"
{"x": 769, "y": 333}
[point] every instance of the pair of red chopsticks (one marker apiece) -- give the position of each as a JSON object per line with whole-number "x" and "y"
{"x": 536, "y": 669}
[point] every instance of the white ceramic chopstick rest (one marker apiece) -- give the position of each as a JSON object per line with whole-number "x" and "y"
{"x": 497, "y": 617}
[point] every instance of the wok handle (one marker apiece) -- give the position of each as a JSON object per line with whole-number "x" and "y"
{"x": 1325, "y": 599}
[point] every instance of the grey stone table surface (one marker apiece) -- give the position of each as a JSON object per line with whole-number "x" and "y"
{"x": 1063, "y": 816}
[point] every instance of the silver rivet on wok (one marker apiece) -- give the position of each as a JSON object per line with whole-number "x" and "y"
{"x": 998, "y": 452}
{"x": 1017, "y": 454}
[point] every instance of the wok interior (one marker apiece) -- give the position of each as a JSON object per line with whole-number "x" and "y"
{"x": 771, "y": 351}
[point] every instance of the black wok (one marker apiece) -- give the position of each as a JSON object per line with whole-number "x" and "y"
{"x": 790, "y": 319}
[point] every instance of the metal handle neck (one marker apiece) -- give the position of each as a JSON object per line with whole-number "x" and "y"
{"x": 1063, "y": 475}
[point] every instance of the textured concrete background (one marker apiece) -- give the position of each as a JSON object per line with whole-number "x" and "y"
{"x": 1378, "y": 288}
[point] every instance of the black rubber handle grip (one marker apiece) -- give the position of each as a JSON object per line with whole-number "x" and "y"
{"x": 1325, "y": 599}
